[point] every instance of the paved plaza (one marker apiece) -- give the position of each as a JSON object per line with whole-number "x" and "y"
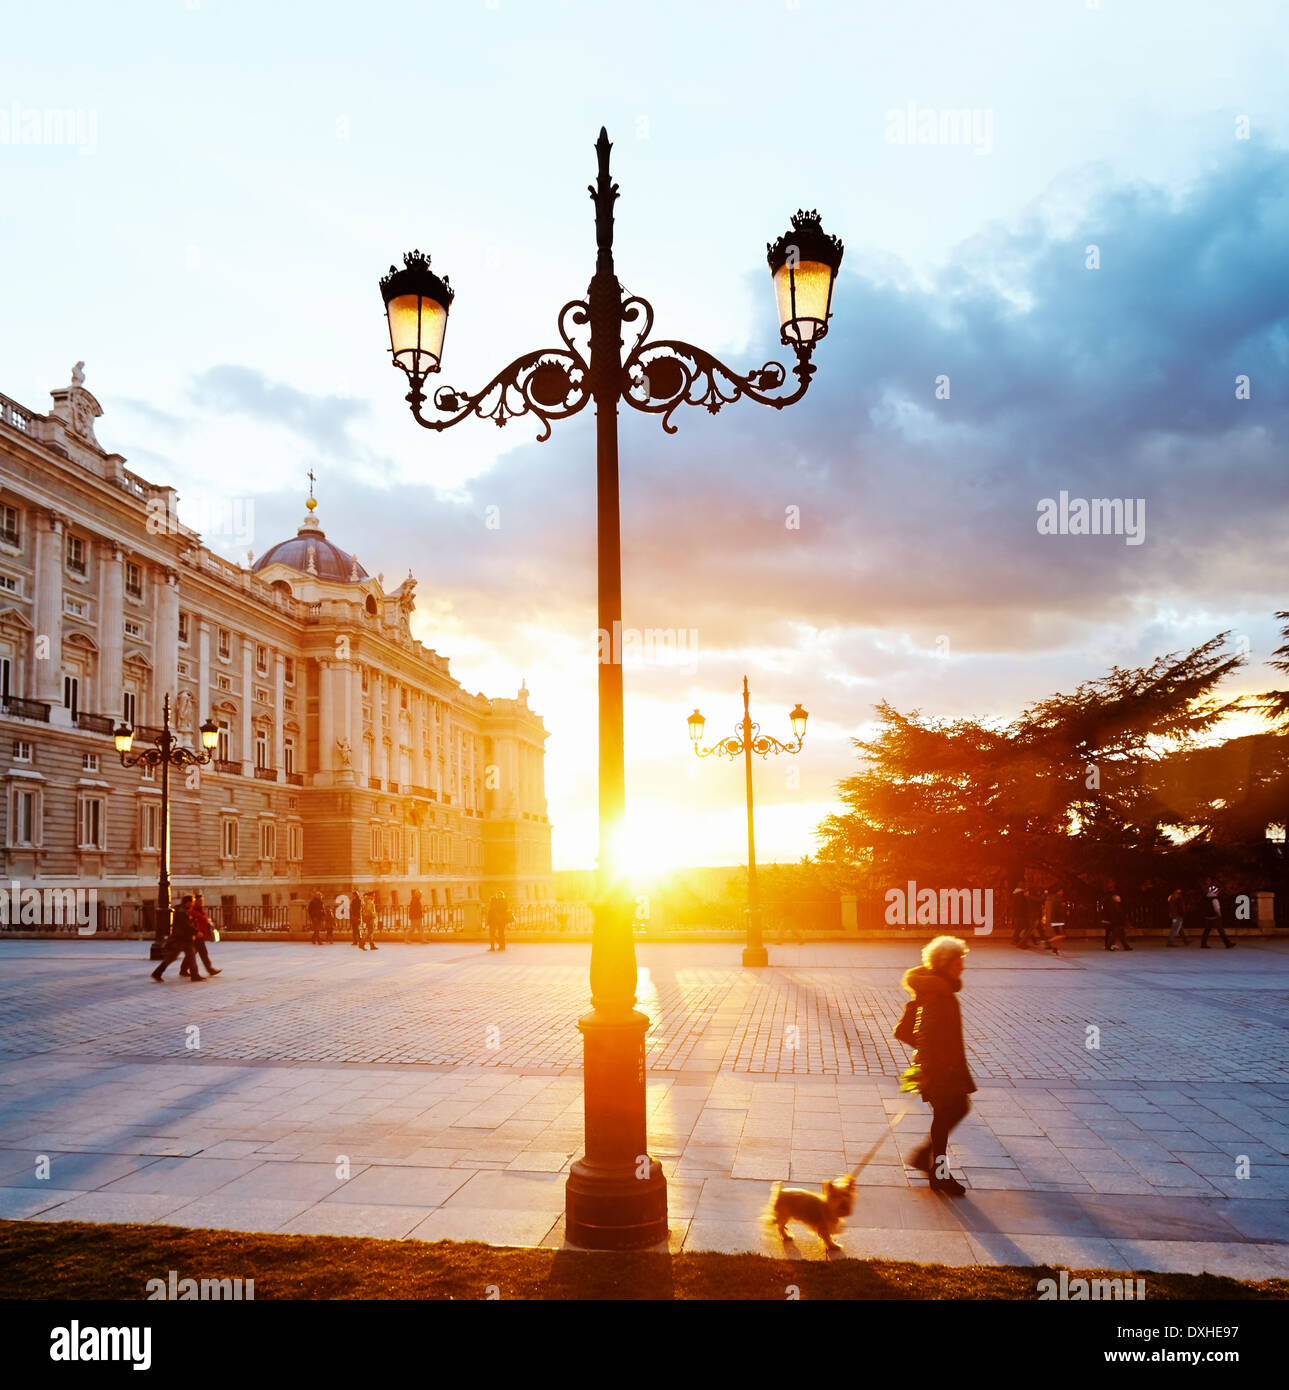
{"x": 434, "y": 1092}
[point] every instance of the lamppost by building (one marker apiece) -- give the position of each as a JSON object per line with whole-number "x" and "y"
{"x": 616, "y": 1196}
{"x": 748, "y": 740}
{"x": 167, "y": 753}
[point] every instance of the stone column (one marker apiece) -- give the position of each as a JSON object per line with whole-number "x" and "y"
{"x": 326, "y": 719}
{"x": 354, "y": 678}
{"x": 204, "y": 709}
{"x": 44, "y": 674}
{"x": 419, "y": 777}
{"x": 377, "y": 724}
{"x": 165, "y": 641}
{"x": 248, "y": 692}
{"x": 279, "y": 718}
{"x": 111, "y": 632}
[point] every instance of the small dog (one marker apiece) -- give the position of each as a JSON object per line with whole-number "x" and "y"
{"x": 823, "y": 1214}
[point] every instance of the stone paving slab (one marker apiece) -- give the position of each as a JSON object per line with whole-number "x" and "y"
{"x": 345, "y": 1095}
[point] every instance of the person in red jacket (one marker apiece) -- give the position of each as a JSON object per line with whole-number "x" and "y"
{"x": 202, "y": 932}
{"x": 946, "y": 1081}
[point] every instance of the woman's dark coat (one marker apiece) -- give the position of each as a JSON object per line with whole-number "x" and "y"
{"x": 941, "y": 1052}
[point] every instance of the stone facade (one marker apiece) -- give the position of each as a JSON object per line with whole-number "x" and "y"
{"x": 348, "y": 754}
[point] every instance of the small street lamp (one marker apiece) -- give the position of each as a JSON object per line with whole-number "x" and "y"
{"x": 167, "y": 753}
{"x": 616, "y": 1197}
{"x": 749, "y": 739}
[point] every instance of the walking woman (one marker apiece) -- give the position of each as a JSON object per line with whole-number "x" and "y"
{"x": 945, "y": 1082}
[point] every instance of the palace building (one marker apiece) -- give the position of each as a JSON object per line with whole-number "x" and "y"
{"x": 347, "y": 754}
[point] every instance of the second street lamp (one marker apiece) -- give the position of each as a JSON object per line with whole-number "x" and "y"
{"x": 616, "y": 1196}
{"x": 748, "y": 740}
{"x": 167, "y": 753}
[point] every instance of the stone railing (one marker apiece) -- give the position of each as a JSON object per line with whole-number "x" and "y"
{"x": 17, "y": 708}
{"x": 18, "y": 417}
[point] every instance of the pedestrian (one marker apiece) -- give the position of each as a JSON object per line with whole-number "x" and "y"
{"x": 356, "y": 916}
{"x": 203, "y": 931}
{"x": 1054, "y": 917}
{"x": 316, "y": 916}
{"x": 1213, "y": 919}
{"x": 369, "y": 921}
{"x": 415, "y": 914}
{"x": 499, "y": 916}
{"x": 945, "y": 1081}
{"x": 179, "y": 941}
{"x": 1115, "y": 921}
{"x": 329, "y": 918}
{"x": 1176, "y": 917}
{"x": 1020, "y": 917}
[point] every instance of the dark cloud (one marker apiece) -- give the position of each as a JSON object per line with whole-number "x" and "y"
{"x": 918, "y": 515}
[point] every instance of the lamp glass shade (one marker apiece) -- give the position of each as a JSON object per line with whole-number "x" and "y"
{"x": 696, "y": 726}
{"x": 417, "y": 324}
{"x": 209, "y": 734}
{"x": 803, "y": 292}
{"x": 123, "y": 737}
{"x": 799, "y": 717}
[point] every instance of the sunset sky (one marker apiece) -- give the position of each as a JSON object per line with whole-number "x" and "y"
{"x": 210, "y": 239}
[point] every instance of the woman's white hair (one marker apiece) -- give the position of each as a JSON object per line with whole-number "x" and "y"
{"x": 939, "y": 952}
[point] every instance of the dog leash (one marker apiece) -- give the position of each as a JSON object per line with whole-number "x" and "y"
{"x": 854, "y": 1172}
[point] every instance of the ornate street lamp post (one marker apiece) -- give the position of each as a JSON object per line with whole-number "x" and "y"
{"x": 167, "y": 753}
{"x": 616, "y": 1195}
{"x": 750, "y": 740}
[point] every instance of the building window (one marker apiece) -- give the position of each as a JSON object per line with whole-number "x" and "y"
{"x": 76, "y": 555}
{"x": 223, "y": 683}
{"x": 148, "y": 774}
{"x": 224, "y": 748}
{"x": 261, "y": 748}
{"x": 133, "y": 629}
{"x": 228, "y": 838}
{"x": 262, "y": 695}
{"x": 288, "y": 670}
{"x": 6, "y": 675}
{"x": 92, "y": 822}
{"x": 10, "y": 526}
{"x": 21, "y": 751}
{"x": 127, "y": 708}
{"x": 375, "y": 842}
{"x": 268, "y": 840}
{"x": 225, "y": 644}
{"x": 295, "y": 842}
{"x": 262, "y": 659}
{"x": 24, "y": 817}
{"x": 10, "y": 585}
{"x": 150, "y": 826}
{"x": 74, "y": 607}
{"x": 71, "y": 693}
{"x": 89, "y": 762}
{"x": 133, "y": 579}
{"x": 184, "y": 629}
{"x": 402, "y": 697}
{"x": 288, "y": 756}
{"x": 365, "y": 680}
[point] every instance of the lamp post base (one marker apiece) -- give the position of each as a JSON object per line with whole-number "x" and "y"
{"x": 616, "y": 1196}
{"x": 755, "y": 955}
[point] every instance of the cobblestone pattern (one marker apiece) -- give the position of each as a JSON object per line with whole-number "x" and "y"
{"x": 829, "y": 1013}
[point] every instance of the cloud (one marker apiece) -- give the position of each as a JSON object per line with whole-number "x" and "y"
{"x": 322, "y": 421}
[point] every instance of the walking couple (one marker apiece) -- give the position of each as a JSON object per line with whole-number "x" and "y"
{"x": 190, "y": 930}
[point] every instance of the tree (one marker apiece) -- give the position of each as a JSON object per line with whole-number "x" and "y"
{"x": 1071, "y": 791}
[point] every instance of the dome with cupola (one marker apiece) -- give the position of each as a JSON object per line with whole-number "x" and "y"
{"x": 310, "y": 552}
